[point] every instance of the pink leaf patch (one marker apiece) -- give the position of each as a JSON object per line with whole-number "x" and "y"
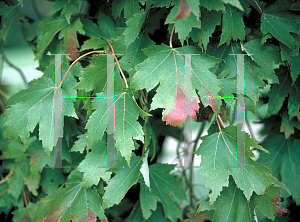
{"x": 178, "y": 115}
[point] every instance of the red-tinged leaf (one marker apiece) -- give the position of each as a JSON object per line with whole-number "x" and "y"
{"x": 71, "y": 202}
{"x": 178, "y": 115}
{"x": 184, "y": 10}
{"x": 71, "y": 45}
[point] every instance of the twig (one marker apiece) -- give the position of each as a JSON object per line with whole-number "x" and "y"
{"x": 113, "y": 53}
{"x": 218, "y": 123}
{"x": 76, "y": 61}
{"x": 180, "y": 163}
{"x": 2, "y": 105}
{"x": 8, "y": 176}
{"x": 80, "y": 8}
{"x": 15, "y": 67}
{"x": 258, "y": 7}
{"x": 25, "y": 199}
{"x": 172, "y": 35}
{"x": 3, "y": 94}
{"x": 221, "y": 121}
{"x": 191, "y": 163}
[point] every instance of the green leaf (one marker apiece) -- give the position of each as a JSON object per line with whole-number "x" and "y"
{"x": 235, "y": 3}
{"x": 38, "y": 157}
{"x": 232, "y": 26}
{"x": 264, "y": 203}
{"x": 280, "y": 23}
{"x": 162, "y": 3}
{"x": 216, "y": 5}
{"x": 107, "y": 27}
{"x": 35, "y": 105}
{"x": 8, "y": 13}
{"x": 278, "y": 92}
{"x": 95, "y": 75}
{"x": 130, "y": 8}
{"x": 33, "y": 182}
{"x": 122, "y": 181}
{"x": 219, "y": 153}
{"x": 294, "y": 100}
{"x": 126, "y": 126}
{"x": 209, "y": 22}
{"x": 145, "y": 169}
{"x": 137, "y": 215}
{"x": 93, "y": 43}
{"x": 134, "y": 27}
{"x": 70, "y": 37}
{"x": 134, "y": 54}
{"x": 71, "y": 202}
{"x": 80, "y": 144}
{"x": 183, "y": 26}
{"x": 90, "y": 28}
{"x": 51, "y": 179}
{"x": 295, "y": 68}
{"x": 66, "y": 6}
{"x": 49, "y": 27}
{"x": 231, "y": 205}
{"x": 267, "y": 56}
{"x": 166, "y": 188}
{"x": 252, "y": 72}
{"x": 283, "y": 160}
{"x": 16, "y": 181}
{"x": 286, "y": 126}
{"x": 164, "y": 66}
{"x": 25, "y": 214}
{"x": 147, "y": 201}
{"x": 90, "y": 165}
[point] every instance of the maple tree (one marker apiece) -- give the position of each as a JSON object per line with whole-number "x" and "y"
{"x": 151, "y": 99}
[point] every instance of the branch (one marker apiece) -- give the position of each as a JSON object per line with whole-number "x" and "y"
{"x": 15, "y": 67}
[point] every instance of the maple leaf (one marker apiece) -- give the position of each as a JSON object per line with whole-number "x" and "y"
{"x": 165, "y": 66}
{"x": 32, "y": 106}
{"x": 70, "y": 38}
{"x": 71, "y": 202}
{"x": 178, "y": 115}
{"x": 220, "y": 152}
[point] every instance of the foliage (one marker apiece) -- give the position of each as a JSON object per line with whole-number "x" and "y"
{"x": 150, "y": 89}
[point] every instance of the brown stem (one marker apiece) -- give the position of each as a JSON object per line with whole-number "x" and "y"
{"x": 3, "y": 94}
{"x": 80, "y": 8}
{"x": 76, "y": 61}
{"x": 2, "y": 105}
{"x": 218, "y": 123}
{"x": 258, "y": 7}
{"x": 172, "y": 35}
{"x": 221, "y": 121}
{"x": 25, "y": 199}
{"x": 113, "y": 53}
{"x": 8, "y": 176}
